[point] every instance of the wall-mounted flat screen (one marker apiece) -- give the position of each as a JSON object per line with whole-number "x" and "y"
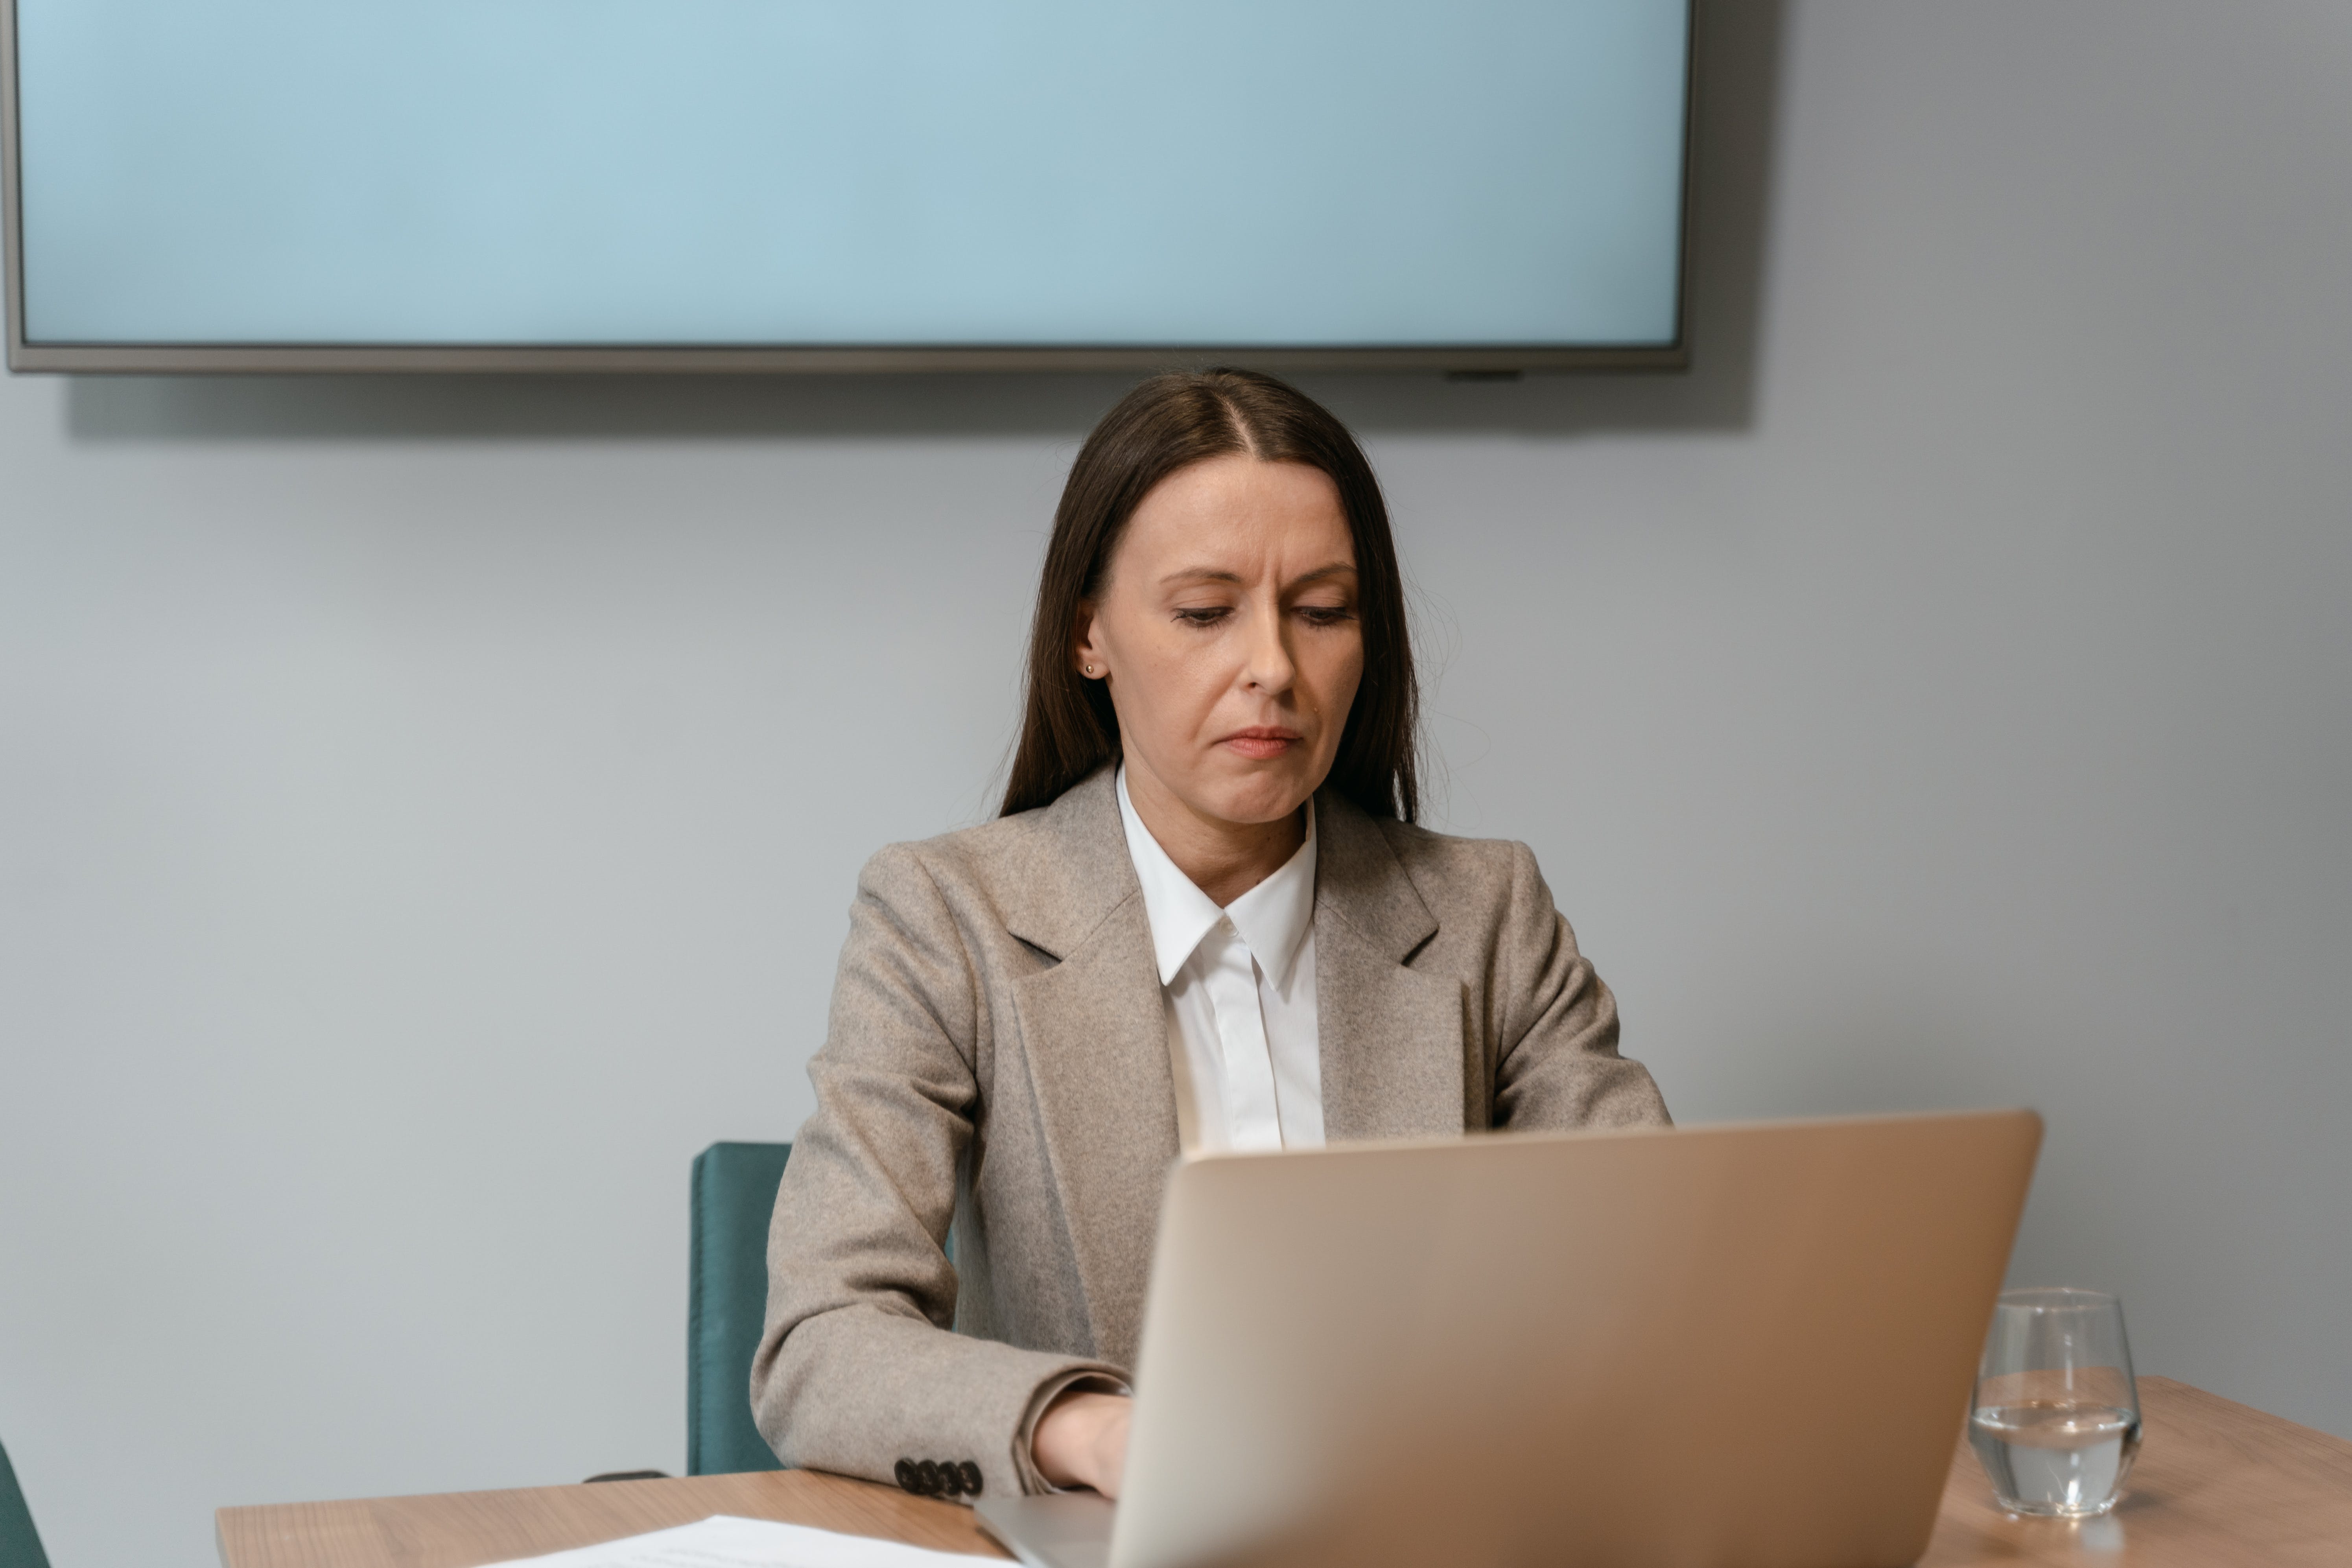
{"x": 873, "y": 184}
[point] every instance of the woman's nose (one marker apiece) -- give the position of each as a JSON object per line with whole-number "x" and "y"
{"x": 1271, "y": 667}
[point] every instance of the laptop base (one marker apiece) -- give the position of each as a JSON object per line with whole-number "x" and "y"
{"x": 1060, "y": 1530}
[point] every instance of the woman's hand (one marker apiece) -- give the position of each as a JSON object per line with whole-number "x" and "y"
{"x": 1081, "y": 1441}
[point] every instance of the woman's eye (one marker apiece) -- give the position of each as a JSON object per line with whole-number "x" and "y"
{"x": 1208, "y": 617}
{"x": 1325, "y": 615}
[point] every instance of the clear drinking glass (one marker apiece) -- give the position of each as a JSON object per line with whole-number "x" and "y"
{"x": 2056, "y": 1414}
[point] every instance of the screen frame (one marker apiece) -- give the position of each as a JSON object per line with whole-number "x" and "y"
{"x": 1480, "y": 359}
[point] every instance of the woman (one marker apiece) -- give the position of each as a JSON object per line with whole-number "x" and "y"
{"x": 1205, "y": 920}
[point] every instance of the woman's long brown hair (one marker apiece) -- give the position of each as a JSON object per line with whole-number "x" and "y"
{"x": 1068, "y": 728}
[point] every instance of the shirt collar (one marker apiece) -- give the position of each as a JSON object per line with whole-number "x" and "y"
{"x": 1273, "y": 917}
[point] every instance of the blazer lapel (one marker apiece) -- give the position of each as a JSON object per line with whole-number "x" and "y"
{"x": 1393, "y": 1040}
{"x": 1095, "y": 1032}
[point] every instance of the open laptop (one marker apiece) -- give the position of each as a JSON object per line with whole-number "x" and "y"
{"x": 1722, "y": 1347}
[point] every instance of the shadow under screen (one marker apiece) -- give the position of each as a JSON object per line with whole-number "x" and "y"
{"x": 1737, "y": 49}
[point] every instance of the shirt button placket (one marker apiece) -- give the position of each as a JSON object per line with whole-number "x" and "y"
{"x": 1250, "y": 1112}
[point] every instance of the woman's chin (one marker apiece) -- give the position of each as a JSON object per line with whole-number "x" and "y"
{"x": 1257, "y": 802}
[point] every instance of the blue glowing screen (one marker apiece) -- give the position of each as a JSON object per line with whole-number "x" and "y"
{"x": 1317, "y": 172}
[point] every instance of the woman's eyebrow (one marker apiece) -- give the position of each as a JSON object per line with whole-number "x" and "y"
{"x": 1219, "y": 574}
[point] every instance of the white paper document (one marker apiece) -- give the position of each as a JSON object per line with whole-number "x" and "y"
{"x": 723, "y": 1541}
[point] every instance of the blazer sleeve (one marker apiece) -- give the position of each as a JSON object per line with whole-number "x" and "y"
{"x": 858, "y": 1369}
{"x": 1557, "y": 1065}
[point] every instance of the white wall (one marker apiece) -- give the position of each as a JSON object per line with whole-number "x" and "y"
{"x": 428, "y": 809}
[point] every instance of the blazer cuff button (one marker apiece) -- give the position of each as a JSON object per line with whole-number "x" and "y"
{"x": 908, "y": 1479}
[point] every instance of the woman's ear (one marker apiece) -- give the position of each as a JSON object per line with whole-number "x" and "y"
{"x": 1086, "y": 644}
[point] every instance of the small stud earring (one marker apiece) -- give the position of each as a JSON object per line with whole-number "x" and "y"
{"x": 1090, "y": 670}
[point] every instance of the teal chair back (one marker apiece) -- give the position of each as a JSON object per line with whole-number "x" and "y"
{"x": 727, "y": 1301}
{"x": 20, "y": 1544}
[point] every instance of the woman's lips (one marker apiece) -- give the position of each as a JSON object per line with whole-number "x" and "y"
{"x": 1262, "y": 742}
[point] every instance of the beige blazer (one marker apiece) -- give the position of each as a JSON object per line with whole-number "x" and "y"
{"x": 997, "y": 1057}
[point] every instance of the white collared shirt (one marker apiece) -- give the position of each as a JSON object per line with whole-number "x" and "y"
{"x": 1239, "y": 986}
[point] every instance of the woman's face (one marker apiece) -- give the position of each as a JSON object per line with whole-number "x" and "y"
{"x": 1229, "y": 635}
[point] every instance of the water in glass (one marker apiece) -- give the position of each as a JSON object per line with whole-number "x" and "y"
{"x": 2044, "y": 1458}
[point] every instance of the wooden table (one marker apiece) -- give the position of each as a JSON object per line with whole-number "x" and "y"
{"x": 2217, "y": 1484}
